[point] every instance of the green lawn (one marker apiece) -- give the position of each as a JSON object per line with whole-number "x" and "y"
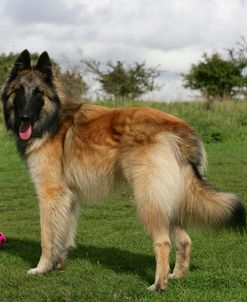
{"x": 113, "y": 260}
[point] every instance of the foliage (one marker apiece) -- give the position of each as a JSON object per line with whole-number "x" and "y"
{"x": 217, "y": 77}
{"x": 72, "y": 81}
{"x": 124, "y": 82}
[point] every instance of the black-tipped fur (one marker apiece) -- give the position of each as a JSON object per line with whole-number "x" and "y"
{"x": 28, "y": 99}
{"x": 44, "y": 66}
{"x": 23, "y": 62}
{"x": 237, "y": 220}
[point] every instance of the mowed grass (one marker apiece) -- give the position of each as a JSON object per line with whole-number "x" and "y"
{"x": 114, "y": 260}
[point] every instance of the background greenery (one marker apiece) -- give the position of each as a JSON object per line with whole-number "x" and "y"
{"x": 217, "y": 76}
{"x": 114, "y": 260}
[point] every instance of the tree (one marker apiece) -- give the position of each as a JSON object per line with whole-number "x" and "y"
{"x": 72, "y": 81}
{"x": 217, "y": 77}
{"x": 124, "y": 82}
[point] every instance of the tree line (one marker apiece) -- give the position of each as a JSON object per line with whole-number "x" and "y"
{"x": 118, "y": 80}
{"x": 217, "y": 76}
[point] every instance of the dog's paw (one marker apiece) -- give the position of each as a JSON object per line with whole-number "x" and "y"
{"x": 176, "y": 276}
{"x": 155, "y": 288}
{"x": 151, "y": 288}
{"x": 59, "y": 265}
{"x": 172, "y": 276}
{"x": 37, "y": 270}
{"x": 34, "y": 271}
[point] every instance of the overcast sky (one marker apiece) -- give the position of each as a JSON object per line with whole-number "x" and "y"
{"x": 169, "y": 33}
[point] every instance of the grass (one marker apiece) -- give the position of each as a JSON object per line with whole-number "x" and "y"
{"x": 114, "y": 259}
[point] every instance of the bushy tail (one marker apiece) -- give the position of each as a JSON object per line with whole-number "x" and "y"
{"x": 203, "y": 205}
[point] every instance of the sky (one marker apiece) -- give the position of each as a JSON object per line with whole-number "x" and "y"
{"x": 171, "y": 34}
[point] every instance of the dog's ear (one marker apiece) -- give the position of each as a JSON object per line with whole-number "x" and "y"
{"x": 23, "y": 62}
{"x": 44, "y": 65}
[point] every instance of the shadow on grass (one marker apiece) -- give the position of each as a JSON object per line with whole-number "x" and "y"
{"x": 116, "y": 259}
{"x": 112, "y": 258}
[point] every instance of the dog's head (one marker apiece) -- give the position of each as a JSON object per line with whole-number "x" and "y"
{"x": 29, "y": 98}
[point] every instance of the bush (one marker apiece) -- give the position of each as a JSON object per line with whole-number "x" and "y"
{"x": 123, "y": 82}
{"x": 217, "y": 77}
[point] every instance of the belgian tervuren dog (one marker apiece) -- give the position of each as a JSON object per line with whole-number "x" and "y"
{"x": 75, "y": 152}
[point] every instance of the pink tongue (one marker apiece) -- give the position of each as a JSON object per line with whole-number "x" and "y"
{"x": 25, "y": 130}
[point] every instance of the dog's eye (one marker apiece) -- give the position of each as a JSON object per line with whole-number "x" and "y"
{"x": 37, "y": 92}
{"x": 20, "y": 89}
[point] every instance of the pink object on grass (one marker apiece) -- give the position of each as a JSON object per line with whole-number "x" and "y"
{"x": 3, "y": 239}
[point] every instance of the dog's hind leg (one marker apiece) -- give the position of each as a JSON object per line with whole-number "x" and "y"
{"x": 56, "y": 205}
{"x": 159, "y": 230}
{"x": 161, "y": 249}
{"x": 155, "y": 176}
{"x": 154, "y": 213}
{"x": 182, "y": 243}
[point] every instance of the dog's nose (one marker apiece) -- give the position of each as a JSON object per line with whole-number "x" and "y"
{"x": 25, "y": 117}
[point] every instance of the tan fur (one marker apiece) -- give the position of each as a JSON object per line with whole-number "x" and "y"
{"x": 182, "y": 243}
{"x": 94, "y": 149}
{"x": 102, "y": 145}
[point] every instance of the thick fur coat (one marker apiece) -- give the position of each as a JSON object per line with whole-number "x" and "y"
{"x": 80, "y": 152}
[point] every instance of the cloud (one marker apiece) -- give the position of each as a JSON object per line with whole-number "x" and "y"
{"x": 172, "y": 34}
{"x": 27, "y": 12}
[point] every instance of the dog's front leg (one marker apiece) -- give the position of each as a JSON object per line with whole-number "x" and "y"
{"x": 55, "y": 215}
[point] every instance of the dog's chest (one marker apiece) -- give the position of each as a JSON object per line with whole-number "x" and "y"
{"x": 92, "y": 174}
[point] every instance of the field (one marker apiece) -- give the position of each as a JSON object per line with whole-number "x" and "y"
{"x": 114, "y": 260}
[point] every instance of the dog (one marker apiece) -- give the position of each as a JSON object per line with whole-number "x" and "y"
{"x": 75, "y": 152}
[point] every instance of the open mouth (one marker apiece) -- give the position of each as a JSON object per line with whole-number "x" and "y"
{"x": 25, "y": 130}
